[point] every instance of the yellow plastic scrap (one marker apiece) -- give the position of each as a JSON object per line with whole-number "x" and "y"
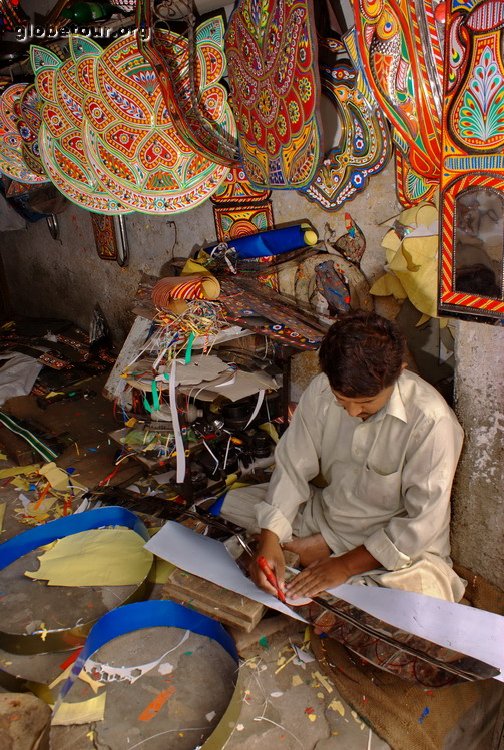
{"x": 14, "y": 471}
{"x": 412, "y": 259}
{"x": 56, "y": 477}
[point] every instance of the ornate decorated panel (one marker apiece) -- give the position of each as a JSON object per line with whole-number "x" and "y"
{"x": 28, "y": 125}
{"x": 136, "y": 153}
{"x": 362, "y": 143}
{"x": 271, "y": 48}
{"x": 12, "y": 161}
{"x": 60, "y": 139}
{"x": 472, "y": 180}
{"x": 240, "y": 210}
{"x": 191, "y": 118}
{"x": 401, "y": 55}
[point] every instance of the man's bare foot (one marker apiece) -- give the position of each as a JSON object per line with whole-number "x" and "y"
{"x": 309, "y": 548}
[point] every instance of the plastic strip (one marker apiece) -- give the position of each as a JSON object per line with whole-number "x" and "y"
{"x": 42, "y": 449}
{"x": 260, "y": 399}
{"x": 150, "y": 614}
{"x": 179, "y": 442}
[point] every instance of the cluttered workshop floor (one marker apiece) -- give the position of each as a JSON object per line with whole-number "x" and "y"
{"x": 284, "y": 697}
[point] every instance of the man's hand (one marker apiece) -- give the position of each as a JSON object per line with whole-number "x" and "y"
{"x": 268, "y": 547}
{"x": 317, "y": 577}
{"x": 330, "y": 572}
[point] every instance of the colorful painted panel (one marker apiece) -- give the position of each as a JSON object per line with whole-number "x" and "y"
{"x": 363, "y": 143}
{"x": 400, "y": 51}
{"x": 236, "y": 189}
{"x": 411, "y": 187}
{"x": 60, "y": 137}
{"x": 12, "y": 162}
{"x": 240, "y": 210}
{"x": 242, "y": 220}
{"x": 472, "y": 258}
{"x": 272, "y": 54}
{"x": 193, "y": 123}
{"x": 130, "y": 140}
{"x": 28, "y": 125}
{"x": 110, "y": 238}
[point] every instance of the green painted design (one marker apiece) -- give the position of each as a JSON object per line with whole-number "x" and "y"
{"x": 482, "y": 112}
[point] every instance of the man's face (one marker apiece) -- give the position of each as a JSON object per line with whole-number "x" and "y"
{"x": 364, "y": 406}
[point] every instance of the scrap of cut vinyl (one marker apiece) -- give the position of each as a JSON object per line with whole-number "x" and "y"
{"x": 193, "y": 286}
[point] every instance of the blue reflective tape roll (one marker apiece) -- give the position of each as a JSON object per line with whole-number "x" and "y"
{"x": 62, "y": 639}
{"x": 45, "y": 534}
{"x": 146, "y": 615}
{"x": 273, "y": 241}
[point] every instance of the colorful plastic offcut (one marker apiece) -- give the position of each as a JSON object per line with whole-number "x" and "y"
{"x": 363, "y": 144}
{"x": 12, "y": 163}
{"x": 400, "y": 51}
{"x": 130, "y": 140}
{"x": 472, "y": 182}
{"x": 60, "y": 138}
{"x": 195, "y": 125}
{"x": 272, "y": 55}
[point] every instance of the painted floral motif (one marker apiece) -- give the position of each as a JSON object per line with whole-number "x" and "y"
{"x": 398, "y": 44}
{"x": 12, "y": 161}
{"x": 273, "y": 74}
{"x": 481, "y": 118}
{"x": 108, "y": 141}
{"x": 61, "y": 144}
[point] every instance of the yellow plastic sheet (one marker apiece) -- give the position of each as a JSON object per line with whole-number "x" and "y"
{"x": 84, "y": 712}
{"x": 56, "y": 477}
{"x": 14, "y": 471}
{"x": 100, "y": 557}
{"x": 412, "y": 260}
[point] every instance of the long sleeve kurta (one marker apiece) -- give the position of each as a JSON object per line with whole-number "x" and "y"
{"x": 388, "y": 478}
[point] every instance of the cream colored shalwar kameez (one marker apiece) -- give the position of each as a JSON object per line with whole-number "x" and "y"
{"x": 388, "y": 487}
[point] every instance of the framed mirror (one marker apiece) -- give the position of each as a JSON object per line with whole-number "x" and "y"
{"x": 472, "y": 252}
{"x": 471, "y": 271}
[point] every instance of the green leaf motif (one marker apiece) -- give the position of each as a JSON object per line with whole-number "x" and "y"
{"x": 482, "y": 112}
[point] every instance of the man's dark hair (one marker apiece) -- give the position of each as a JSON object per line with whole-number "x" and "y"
{"x": 362, "y": 353}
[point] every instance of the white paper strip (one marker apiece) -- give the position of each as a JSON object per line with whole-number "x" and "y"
{"x": 209, "y": 559}
{"x": 257, "y": 409}
{"x": 179, "y": 442}
{"x": 468, "y": 630}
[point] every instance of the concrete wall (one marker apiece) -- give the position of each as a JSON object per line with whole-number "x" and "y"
{"x": 66, "y": 279}
{"x": 478, "y": 498}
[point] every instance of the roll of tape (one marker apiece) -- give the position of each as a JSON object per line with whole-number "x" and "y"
{"x": 129, "y": 618}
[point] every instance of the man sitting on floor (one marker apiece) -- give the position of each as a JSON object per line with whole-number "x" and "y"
{"x": 386, "y": 445}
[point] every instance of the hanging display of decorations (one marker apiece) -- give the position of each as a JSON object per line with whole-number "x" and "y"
{"x": 362, "y": 145}
{"x": 61, "y": 142}
{"x": 240, "y": 210}
{"x": 12, "y": 163}
{"x": 131, "y": 143}
{"x": 472, "y": 198}
{"x": 272, "y": 56}
{"x": 193, "y": 121}
{"x": 401, "y": 57}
